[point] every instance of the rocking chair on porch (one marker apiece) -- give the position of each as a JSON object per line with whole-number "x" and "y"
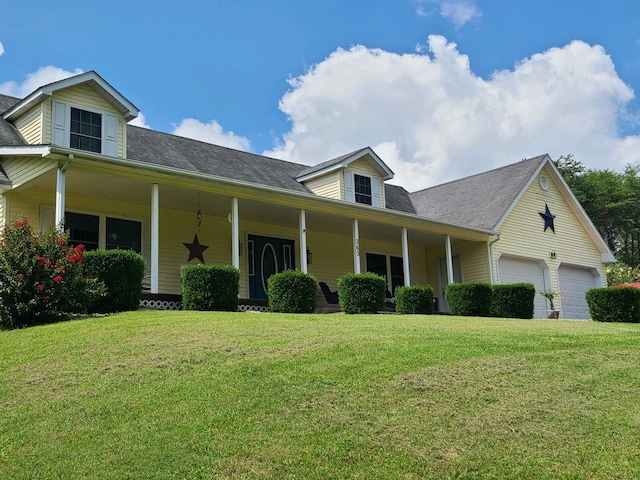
{"x": 329, "y": 296}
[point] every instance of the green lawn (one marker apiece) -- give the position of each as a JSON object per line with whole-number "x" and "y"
{"x": 149, "y": 395}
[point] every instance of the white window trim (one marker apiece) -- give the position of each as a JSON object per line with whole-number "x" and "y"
{"x": 61, "y": 127}
{"x": 350, "y": 188}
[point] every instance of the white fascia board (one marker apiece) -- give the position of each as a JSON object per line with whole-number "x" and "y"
{"x": 42, "y": 150}
{"x": 387, "y": 175}
{"x": 128, "y": 109}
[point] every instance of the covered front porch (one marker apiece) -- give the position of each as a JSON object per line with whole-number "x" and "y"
{"x": 186, "y": 219}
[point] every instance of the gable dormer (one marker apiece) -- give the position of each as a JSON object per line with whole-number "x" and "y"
{"x": 82, "y": 112}
{"x": 356, "y": 177}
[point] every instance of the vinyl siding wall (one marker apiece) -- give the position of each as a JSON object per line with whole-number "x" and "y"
{"x": 329, "y": 185}
{"x": 474, "y": 261}
{"x": 30, "y": 125}
{"x": 522, "y": 233}
{"x": 21, "y": 170}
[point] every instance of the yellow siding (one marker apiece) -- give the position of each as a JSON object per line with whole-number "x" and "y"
{"x": 326, "y": 186}
{"x": 474, "y": 261}
{"x": 21, "y": 170}
{"x": 30, "y": 125}
{"x": 522, "y": 233}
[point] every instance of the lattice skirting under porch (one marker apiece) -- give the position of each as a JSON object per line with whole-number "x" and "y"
{"x": 173, "y": 302}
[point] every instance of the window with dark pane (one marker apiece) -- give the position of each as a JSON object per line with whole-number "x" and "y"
{"x": 397, "y": 273}
{"x": 124, "y": 234}
{"x": 362, "y": 187}
{"x": 86, "y": 130}
{"x": 83, "y": 229}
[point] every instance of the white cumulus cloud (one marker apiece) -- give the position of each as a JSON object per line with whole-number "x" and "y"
{"x": 140, "y": 121}
{"x": 210, "y": 132}
{"x": 1, "y": 49}
{"x": 42, "y": 76}
{"x": 431, "y": 119}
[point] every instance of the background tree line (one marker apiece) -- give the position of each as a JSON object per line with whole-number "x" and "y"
{"x": 612, "y": 201}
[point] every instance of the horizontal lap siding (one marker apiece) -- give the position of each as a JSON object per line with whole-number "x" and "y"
{"x": 522, "y": 232}
{"x": 21, "y": 170}
{"x": 30, "y": 125}
{"x": 326, "y": 186}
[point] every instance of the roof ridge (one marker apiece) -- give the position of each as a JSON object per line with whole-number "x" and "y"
{"x": 492, "y": 171}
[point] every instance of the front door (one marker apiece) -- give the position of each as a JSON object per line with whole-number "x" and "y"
{"x": 266, "y": 256}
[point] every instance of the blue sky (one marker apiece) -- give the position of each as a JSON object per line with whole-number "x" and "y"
{"x": 439, "y": 88}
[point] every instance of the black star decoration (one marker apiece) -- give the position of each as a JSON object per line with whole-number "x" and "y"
{"x": 195, "y": 249}
{"x": 548, "y": 219}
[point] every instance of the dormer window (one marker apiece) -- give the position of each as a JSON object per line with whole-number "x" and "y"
{"x": 89, "y": 130}
{"x": 362, "y": 187}
{"x": 86, "y": 130}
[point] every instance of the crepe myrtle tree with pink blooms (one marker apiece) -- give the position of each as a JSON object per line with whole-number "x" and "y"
{"x": 40, "y": 276}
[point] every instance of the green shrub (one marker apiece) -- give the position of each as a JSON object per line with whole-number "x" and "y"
{"x": 361, "y": 292}
{"x": 121, "y": 272}
{"x": 614, "y": 304}
{"x": 210, "y": 287}
{"x": 514, "y": 300}
{"x": 40, "y": 276}
{"x": 292, "y": 292}
{"x": 469, "y": 299}
{"x": 414, "y": 299}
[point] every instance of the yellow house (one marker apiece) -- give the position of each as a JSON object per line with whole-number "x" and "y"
{"x": 69, "y": 157}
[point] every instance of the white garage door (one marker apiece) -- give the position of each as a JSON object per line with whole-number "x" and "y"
{"x": 516, "y": 270}
{"x": 575, "y": 281}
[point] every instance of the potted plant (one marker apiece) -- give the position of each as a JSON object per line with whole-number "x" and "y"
{"x": 550, "y": 295}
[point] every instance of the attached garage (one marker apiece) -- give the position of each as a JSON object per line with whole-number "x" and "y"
{"x": 516, "y": 270}
{"x": 575, "y": 281}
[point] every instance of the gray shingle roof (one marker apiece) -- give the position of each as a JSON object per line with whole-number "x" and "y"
{"x": 159, "y": 148}
{"x": 9, "y": 135}
{"x": 479, "y": 201}
{"x": 328, "y": 163}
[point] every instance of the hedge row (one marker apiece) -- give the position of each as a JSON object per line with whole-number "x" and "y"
{"x": 482, "y": 299}
{"x": 614, "y": 304}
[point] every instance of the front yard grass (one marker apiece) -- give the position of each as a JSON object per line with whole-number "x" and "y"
{"x": 221, "y": 395}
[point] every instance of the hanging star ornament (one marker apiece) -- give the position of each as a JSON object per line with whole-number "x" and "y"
{"x": 195, "y": 249}
{"x": 548, "y": 218}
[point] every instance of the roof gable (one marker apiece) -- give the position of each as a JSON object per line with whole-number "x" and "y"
{"x": 92, "y": 79}
{"x": 343, "y": 162}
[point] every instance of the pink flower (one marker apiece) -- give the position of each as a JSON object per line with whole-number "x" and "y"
{"x": 40, "y": 287}
{"x": 21, "y": 277}
{"x": 57, "y": 279}
{"x": 20, "y": 224}
{"x": 47, "y": 298}
{"x": 47, "y": 264}
{"x": 41, "y": 259}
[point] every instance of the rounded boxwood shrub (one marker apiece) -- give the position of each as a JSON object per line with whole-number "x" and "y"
{"x": 614, "y": 304}
{"x": 469, "y": 299}
{"x": 210, "y": 287}
{"x": 515, "y": 300}
{"x": 292, "y": 292}
{"x": 361, "y": 292}
{"x": 414, "y": 299}
{"x": 121, "y": 272}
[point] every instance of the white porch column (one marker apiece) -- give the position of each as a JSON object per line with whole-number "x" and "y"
{"x": 303, "y": 241}
{"x": 155, "y": 237}
{"x": 356, "y": 246}
{"x": 405, "y": 257}
{"x": 61, "y": 188}
{"x": 449, "y": 260}
{"x": 60, "y": 198}
{"x": 235, "y": 234}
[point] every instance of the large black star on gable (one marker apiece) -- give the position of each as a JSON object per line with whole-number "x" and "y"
{"x": 195, "y": 249}
{"x": 548, "y": 219}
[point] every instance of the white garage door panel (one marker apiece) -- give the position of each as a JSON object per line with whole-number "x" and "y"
{"x": 575, "y": 282}
{"x": 516, "y": 270}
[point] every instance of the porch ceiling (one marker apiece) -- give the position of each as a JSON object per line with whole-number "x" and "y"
{"x": 135, "y": 191}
